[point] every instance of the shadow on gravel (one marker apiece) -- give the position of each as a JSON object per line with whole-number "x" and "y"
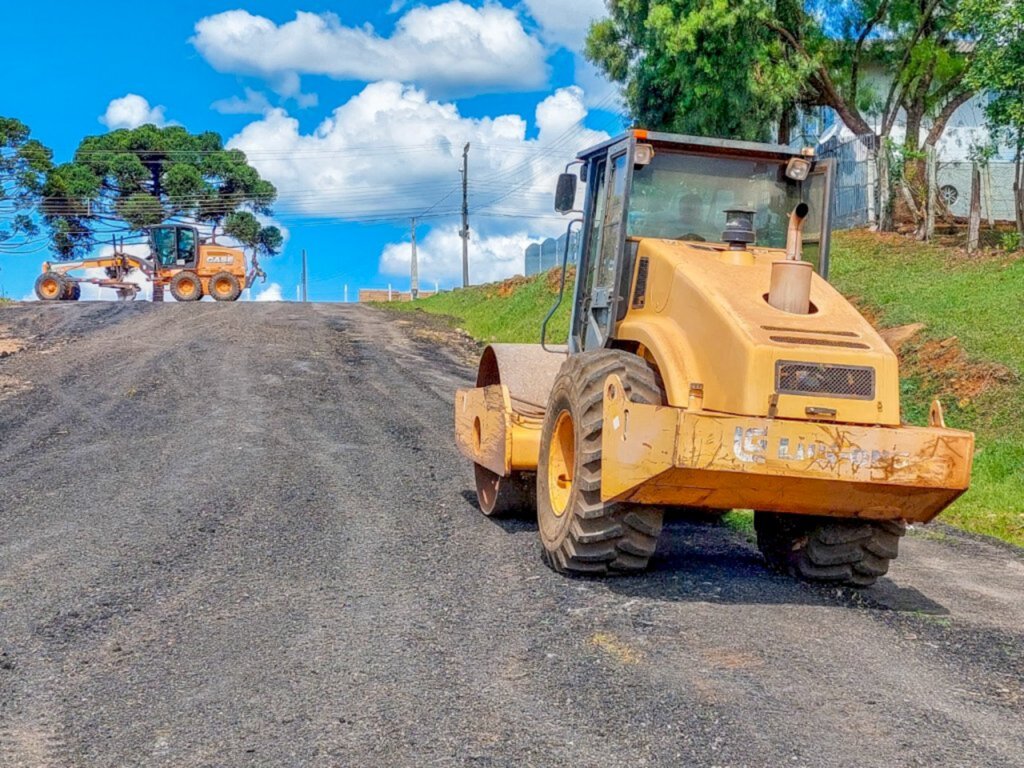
{"x": 707, "y": 562}
{"x": 523, "y": 523}
{"x": 699, "y": 559}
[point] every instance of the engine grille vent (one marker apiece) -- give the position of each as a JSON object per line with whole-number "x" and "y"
{"x": 849, "y": 381}
{"x": 819, "y": 342}
{"x": 784, "y": 329}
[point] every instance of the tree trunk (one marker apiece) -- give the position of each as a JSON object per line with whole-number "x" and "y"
{"x": 974, "y": 224}
{"x": 155, "y": 171}
{"x": 912, "y": 141}
{"x": 786, "y": 126}
{"x": 914, "y": 171}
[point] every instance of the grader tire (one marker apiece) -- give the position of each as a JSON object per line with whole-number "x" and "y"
{"x": 74, "y": 292}
{"x": 580, "y": 534}
{"x": 505, "y": 496}
{"x": 854, "y": 553}
{"x": 225, "y": 287}
{"x": 51, "y": 286}
{"x": 186, "y": 286}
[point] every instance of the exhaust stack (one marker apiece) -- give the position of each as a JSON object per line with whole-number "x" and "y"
{"x": 795, "y": 239}
{"x": 790, "y": 289}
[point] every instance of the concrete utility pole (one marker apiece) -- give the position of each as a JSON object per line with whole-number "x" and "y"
{"x": 305, "y": 280}
{"x": 464, "y": 232}
{"x": 414, "y": 276}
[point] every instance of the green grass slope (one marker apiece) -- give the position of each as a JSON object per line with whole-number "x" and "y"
{"x": 970, "y": 352}
{"x": 510, "y": 312}
{"x": 970, "y": 355}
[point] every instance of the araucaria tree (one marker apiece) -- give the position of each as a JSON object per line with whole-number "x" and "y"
{"x": 246, "y": 229}
{"x": 24, "y": 163}
{"x": 127, "y": 180}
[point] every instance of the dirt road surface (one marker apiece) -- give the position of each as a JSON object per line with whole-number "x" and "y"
{"x": 240, "y": 536}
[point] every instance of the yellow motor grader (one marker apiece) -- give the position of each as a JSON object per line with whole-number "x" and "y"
{"x": 709, "y": 365}
{"x": 178, "y": 260}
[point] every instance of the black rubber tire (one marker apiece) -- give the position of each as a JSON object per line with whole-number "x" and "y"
{"x": 180, "y": 284}
{"x": 594, "y": 537}
{"x": 45, "y": 278}
{"x": 74, "y": 292}
{"x": 854, "y": 553}
{"x": 231, "y": 295}
{"x": 510, "y": 496}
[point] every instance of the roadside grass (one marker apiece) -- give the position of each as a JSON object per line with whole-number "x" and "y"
{"x": 970, "y": 352}
{"x": 979, "y": 302}
{"x": 510, "y": 312}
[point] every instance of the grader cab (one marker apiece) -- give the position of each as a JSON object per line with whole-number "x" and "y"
{"x": 709, "y": 365}
{"x": 178, "y": 260}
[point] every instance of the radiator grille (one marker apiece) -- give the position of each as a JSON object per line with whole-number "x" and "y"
{"x": 850, "y": 381}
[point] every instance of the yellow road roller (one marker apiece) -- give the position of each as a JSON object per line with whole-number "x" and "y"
{"x": 709, "y": 365}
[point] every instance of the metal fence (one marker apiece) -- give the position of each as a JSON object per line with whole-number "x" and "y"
{"x": 855, "y": 195}
{"x": 856, "y": 198}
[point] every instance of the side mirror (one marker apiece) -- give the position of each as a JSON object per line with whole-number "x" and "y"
{"x": 565, "y": 194}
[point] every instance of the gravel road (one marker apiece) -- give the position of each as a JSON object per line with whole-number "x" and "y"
{"x": 240, "y": 535}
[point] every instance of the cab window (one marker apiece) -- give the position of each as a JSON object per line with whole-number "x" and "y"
{"x": 164, "y": 246}
{"x": 186, "y": 245}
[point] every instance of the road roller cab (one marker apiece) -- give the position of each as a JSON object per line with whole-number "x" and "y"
{"x": 709, "y": 364}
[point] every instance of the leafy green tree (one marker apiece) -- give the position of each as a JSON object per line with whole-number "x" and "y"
{"x": 705, "y": 68}
{"x": 250, "y": 233}
{"x": 739, "y": 68}
{"x": 127, "y": 180}
{"x": 24, "y": 163}
{"x": 997, "y": 29}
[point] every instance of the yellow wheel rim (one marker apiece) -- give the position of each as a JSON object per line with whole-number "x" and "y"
{"x": 223, "y": 287}
{"x": 50, "y": 288}
{"x": 561, "y": 463}
{"x": 186, "y": 288}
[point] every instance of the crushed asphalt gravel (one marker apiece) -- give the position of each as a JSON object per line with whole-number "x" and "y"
{"x": 240, "y": 535}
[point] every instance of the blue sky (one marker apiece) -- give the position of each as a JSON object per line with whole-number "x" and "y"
{"x": 357, "y": 111}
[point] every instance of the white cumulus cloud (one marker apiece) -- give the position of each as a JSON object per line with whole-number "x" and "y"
{"x": 439, "y": 257}
{"x": 254, "y": 103}
{"x": 271, "y": 293}
{"x": 566, "y": 23}
{"x": 131, "y": 111}
{"x": 393, "y": 153}
{"x": 392, "y": 150}
{"x": 452, "y": 48}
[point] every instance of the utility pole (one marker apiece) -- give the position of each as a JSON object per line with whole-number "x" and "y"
{"x": 464, "y": 232}
{"x": 305, "y": 280}
{"x": 414, "y": 277}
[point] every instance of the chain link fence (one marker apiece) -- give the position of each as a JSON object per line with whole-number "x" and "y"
{"x": 857, "y": 198}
